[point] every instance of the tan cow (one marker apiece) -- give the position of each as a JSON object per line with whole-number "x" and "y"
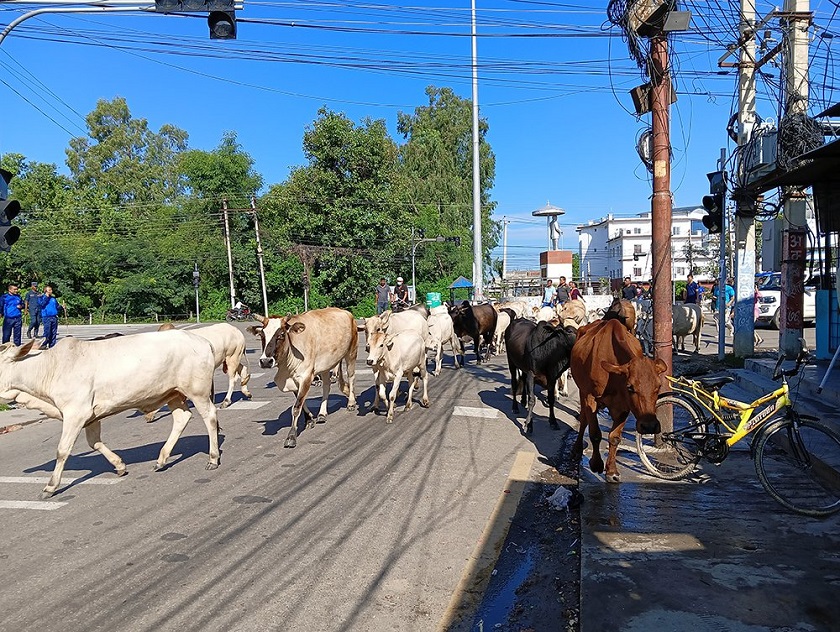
{"x": 82, "y": 382}
{"x": 309, "y": 344}
{"x": 395, "y": 322}
{"x": 573, "y": 311}
{"x": 441, "y": 331}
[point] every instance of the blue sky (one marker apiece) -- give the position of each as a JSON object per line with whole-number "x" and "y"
{"x": 553, "y": 85}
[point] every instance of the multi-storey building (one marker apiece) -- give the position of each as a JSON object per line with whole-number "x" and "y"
{"x": 617, "y": 247}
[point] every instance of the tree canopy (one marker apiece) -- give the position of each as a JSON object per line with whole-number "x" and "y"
{"x": 138, "y": 210}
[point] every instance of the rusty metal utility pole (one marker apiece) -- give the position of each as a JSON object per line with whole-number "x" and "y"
{"x": 661, "y": 201}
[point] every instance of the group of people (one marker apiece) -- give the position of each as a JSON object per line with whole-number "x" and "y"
{"x": 385, "y": 296}
{"x": 42, "y": 308}
{"x": 561, "y": 293}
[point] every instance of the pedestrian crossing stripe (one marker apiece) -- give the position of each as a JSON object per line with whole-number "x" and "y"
{"x": 65, "y": 480}
{"x": 244, "y": 404}
{"x": 467, "y": 411}
{"x": 42, "y": 505}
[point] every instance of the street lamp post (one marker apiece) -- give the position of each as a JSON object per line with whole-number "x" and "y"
{"x": 438, "y": 239}
{"x": 196, "y": 280}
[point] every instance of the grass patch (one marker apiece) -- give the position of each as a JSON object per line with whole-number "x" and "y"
{"x": 4, "y": 406}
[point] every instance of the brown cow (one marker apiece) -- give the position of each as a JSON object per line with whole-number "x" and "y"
{"x": 611, "y": 371}
{"x": 300, "y": 347}
{"x": 476, "y": 321}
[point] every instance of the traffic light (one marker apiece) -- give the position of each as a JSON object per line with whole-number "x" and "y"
{"x": 9, "y": 209}
{"x": 221, "y": 14}
{"x": 421, "y": 234}
{"x": 455, "y": 240}
{"x": 222, "y": 24}
{"x": 714, "y": 207}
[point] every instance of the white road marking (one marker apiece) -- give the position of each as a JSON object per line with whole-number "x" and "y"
{"x": 41, "y": 505}
{"x": 244, "y": 404}
{"x": 65, "y": 480}
{"x": 257, "y": 374}
{"x": 467, "y": 411}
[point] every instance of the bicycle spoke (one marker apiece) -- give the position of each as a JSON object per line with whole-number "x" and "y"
{"x": 799, "y": 465}
{"x": 672, "y": 455}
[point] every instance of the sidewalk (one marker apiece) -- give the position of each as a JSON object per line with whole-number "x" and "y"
{"x": 711, "y": 553}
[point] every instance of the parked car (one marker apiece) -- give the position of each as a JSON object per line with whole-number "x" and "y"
{"x": 770, "y": 303}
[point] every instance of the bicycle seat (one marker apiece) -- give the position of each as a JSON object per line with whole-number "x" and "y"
{"x": 715, "y": 383}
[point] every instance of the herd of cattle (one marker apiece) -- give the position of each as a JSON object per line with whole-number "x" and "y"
{"x": 80, "y": 382}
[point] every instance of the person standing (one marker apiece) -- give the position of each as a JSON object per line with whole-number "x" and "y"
{"x": 549, "y": 294}
{"x": 574, "y": 292}
{"x": 383, "y": 294}
{"x": 31, "y": 301}
{"x": 49, "y": 314}
{"x": 628, "y": 290}
{"x": 692, "y": 290}
{"x": 562, "y": 296}
{"x": 12, "y": 314}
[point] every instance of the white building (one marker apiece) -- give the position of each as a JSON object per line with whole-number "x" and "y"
{"x": 617, "y": 247}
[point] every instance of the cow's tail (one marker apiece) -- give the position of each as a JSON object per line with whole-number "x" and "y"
{"x": 342, "y": 383}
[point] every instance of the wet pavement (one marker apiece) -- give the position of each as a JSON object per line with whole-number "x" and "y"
{"x": 713, "y": 552}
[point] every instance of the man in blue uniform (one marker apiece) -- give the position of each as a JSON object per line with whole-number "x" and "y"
{"x": 12, "y": 314}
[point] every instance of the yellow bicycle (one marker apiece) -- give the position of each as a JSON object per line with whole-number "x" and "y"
{"x": 796, "y": 457}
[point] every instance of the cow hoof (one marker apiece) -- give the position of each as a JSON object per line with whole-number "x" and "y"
{"x": 290, "y": 443}
{"x": 158, "y": 467}
{"x": 529, "y": 428}
{"x": 389, "y": 420}
{"x": 310, "y": 424}
{"x": 225, "y": 404}
{"x": 613, "y": 478}
{"x": 122, "y": 472}
{"x": 424, "y": 403}
{"x": 322, "y": 419}
{"x": 46, "y": 494}
{"x": 211, "y": 466}
{"x": 352, "y": 407}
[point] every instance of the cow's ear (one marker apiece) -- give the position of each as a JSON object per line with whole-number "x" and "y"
{"x": 615, "y": 369}
{"x": 661, "y": 367}
{"x": 19, "y": 353}
{"x": 389, "y": 342}
{"x": 255, "y": 330}
{"x": 296, "y": 328}
{"x": 385, "y": 317}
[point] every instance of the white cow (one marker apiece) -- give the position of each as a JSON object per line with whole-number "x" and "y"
{"x": 81, "y": 382}
{"x": 393, "y": 356}
{"x": 228, "y": 344}
{"x": 441, "y": 331}
{"x": 300, "y": 347}
{"x": 543, "y": 314}
{"x": 688, "y": 320}
{"x": 392, "y": 323}
{"x": 502, "y": 323}
{"x": 521, "y": 309}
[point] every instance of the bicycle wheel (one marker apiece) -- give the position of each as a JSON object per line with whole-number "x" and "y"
{"x": 797, "y": 460}
{"x": 672, "y": 455}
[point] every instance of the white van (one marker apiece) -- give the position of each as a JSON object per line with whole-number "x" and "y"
{"x": 770, "y": 302}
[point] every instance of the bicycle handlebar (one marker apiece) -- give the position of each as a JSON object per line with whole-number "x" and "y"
{"x": 801, "y": 358}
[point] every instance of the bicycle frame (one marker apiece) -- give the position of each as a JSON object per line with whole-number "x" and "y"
{"x": 745, "y": 413}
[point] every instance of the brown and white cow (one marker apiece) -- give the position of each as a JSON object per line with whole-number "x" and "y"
{"x": 309, "y": 344}
{"x": 611, "y": 372}
{"x": 392, "y": 357}
{"x": 81, "y": 382}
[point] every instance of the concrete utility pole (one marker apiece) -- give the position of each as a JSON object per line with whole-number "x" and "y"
{"x": 478, "y": 261}
{"x": 661, "y": 202}
{"x": 796, "y": 18}
{"x": 743, "y": 341}
{"x": 229, "y": 256}
{"x": 505, "y": 222}
{"x": 259, "y": 254}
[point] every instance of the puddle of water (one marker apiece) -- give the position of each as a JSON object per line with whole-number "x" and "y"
{"x": 501, "y": 593}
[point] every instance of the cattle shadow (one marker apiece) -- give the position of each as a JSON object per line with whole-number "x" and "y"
{"x": 335, "y": 402}
{"x": 94, "y": 464}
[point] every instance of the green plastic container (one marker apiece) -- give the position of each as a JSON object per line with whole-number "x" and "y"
{"x": 433, "y": 299}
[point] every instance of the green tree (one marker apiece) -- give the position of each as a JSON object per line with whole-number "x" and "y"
{"x": 437, "y": 169}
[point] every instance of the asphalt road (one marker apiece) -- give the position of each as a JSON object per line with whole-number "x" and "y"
{"x": 363, "y": 526}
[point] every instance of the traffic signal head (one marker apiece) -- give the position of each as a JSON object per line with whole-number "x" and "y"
{"x": 222, "y": 24}
{"x": 9, "y": 209}
{"x": 714, "y": 207}
{"x": 421, "y": 234}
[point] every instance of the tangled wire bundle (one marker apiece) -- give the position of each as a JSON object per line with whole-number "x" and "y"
{"x": 798, "y": 134}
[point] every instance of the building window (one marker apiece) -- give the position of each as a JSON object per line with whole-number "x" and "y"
{"x": 626, "y": 231}
{"x": 637, "y": 231}
{"x": 637, "y": 249}
{"x": 675, "y": 230}
{"x": 680, "y": 271}
{"x": 637, "y": 272}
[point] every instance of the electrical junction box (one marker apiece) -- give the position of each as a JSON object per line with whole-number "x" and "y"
{"x": 760, "y": 156}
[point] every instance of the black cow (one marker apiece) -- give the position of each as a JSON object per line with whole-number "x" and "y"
{"x": 476, "y": 321}
{"x": 537, "y": 353}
